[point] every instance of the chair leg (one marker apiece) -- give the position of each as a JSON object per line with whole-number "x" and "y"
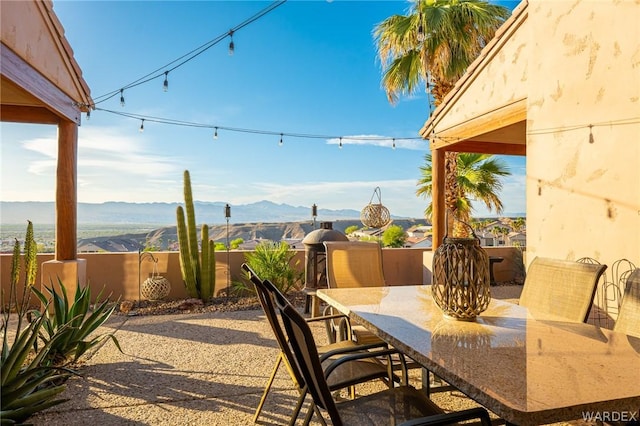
{"x": 314, "y": 409}
{"x": 298, "y": 407}
{"x": 268, "y": 387}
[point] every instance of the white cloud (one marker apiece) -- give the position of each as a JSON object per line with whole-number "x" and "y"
{"x": 103, "y": 149}
{"x": 382, "y": 141}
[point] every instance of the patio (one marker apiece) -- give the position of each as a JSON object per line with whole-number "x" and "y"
{"x": 192, "y": 369}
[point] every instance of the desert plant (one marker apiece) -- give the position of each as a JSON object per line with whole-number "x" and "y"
{"x": 198, "y": 269}
{"x": 67, "y": 330}
{"x": 26, "y": 380}
{"x": 28, "y": 387}
{"x": 273, "y": 261}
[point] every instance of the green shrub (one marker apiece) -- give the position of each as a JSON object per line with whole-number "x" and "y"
{"x": 394, "y": 236}
{"x": 68, "y": 329}
{"x": 273, "y": 261}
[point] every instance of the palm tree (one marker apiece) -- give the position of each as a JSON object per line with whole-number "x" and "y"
{"x": 435, "y": 43}
{"x": 478, "y": 178}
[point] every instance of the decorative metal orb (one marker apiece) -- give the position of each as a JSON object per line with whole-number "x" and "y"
{"x": 460, "y": 284}
{"x": 375, "y": 216}
{"x": 155, "y": 288}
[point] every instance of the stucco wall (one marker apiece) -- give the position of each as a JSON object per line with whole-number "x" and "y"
{"x": 583, "y": 137}
{"x": 117, "y": 273}
{"x": 495, "y": 83}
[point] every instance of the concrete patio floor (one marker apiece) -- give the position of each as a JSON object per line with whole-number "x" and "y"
{"x": 192, "y": 369}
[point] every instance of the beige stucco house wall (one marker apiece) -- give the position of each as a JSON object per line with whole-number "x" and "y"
{"x": 583, "y": 130}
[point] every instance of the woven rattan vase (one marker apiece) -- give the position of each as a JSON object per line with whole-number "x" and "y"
{"x": 460, "y": 284}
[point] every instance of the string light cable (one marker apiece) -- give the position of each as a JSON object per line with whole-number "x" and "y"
{"x": 163, "y": 71}
{"x": 281, "y": 135}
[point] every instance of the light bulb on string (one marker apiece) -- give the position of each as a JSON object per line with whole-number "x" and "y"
{"x": 280, "y": 143}
{"x": 232, "y": 46}
{"x": 122, "y": 97}
{"x": 142, "y": 126}
{"x": 89, "y": 114}
{"x": 420, "y": 35}
{"x": 215, "y": 134}
{"x": 340, "y": 144}
{"x": 165, "y": 85}
{"x": 394, "y": 143}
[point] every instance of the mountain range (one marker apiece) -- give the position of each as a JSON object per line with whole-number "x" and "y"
{"x": 13, "y": 212}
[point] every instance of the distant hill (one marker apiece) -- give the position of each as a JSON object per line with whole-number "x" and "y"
{"x": 165, "y": 213}
{"x": 165, "y": 238}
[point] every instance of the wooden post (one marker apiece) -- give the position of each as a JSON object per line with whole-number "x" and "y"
{"x": 66, "y": 192}
{"x": 437, "y": 197}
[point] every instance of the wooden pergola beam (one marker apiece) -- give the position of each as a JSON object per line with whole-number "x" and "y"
{"x": 28, "y": 114}
{"x": 23, "y": 75}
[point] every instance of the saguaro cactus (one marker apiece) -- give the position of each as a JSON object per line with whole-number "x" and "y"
{"x": 198, "y": 268}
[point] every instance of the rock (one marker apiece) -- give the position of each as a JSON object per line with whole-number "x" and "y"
{"x": 126, "y": 306}
{"x": 190, "y": 304}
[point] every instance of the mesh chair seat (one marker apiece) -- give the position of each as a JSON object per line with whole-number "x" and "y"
{"x": 560, "y": 289}
{"x": 354, "y": 264}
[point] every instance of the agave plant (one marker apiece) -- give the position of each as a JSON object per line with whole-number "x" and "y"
{"x": 27, "y": 387}
{"x": 67, "y": 330}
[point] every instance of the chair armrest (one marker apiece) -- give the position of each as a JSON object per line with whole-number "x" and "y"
{"x": 356, "y": 356}
{"x": 450, "y": 418}
{"x": 327, "y": 317}
{"x": 355, "y": 349}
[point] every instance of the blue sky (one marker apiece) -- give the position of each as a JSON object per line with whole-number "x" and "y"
{"x": 307, "y": 67}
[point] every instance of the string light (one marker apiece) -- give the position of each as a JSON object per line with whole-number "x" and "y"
{"x": 175, "y": 122}
{"x": 420, "y": 29}
{"x": 591, "y": 140}
{"x": 340, "y": 145}
{"x": 165, "y": 85}
{"x": 88, "y": 114}
{"x": 394, "y": 144}
{"x": 232, "y": 46}
{"x": 122, "y": 97}
{"x": 142, "y": 126}
{"x": 182, "y": 60}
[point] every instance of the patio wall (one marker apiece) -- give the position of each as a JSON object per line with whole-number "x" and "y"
{"x": 583, "y": 179}
{"x": 117, "y": 273}
{"x": 505, "y": 271}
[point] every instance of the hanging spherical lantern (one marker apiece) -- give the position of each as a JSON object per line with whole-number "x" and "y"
{"x": 375, "y": 215}
{"x": 460, "y": 284}
{"x": 155, "y": 288}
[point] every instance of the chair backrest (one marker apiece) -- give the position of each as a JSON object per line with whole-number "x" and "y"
{"x": 267, "y": 293}
{"x": 308, "y": 360}
{"x": 628, "y": 321}
{"x": 561, "y": 288}
{"x": 354, "y": 264}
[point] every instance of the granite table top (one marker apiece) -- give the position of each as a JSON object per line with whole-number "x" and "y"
{"x": 525, "y": 368}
